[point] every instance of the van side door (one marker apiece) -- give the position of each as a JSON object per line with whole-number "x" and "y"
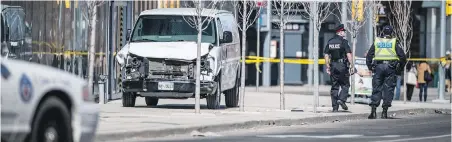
{"x": 230, "y": 52}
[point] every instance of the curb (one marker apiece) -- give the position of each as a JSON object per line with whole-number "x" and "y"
{"x": 256, "y": 123}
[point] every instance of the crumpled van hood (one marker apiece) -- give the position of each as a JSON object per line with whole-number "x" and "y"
{"x": 168, "y": 50}
{"x": 162, "y": 50}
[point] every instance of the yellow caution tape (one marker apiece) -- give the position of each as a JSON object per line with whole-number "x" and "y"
{"x": 257, "y": 60}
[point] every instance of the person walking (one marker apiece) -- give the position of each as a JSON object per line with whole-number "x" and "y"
{"x": 424, "y": 76}
{"x": 385, "y": 59}
{"x": 448, "y": 72}
{"x": 338, "y": 51}
{"x": 411, "y": 79}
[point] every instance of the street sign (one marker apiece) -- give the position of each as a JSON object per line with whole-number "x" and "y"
{"x": 120, "y": 3}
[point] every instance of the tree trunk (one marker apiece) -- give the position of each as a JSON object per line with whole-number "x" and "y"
{"x": 404, "y": 72}
{"x": 198, "y": 63}
{"x": 242, "y": 85}
{"x": 281, "y": 67}
{"x": 404, "y": 84}
{"x": 316, "y": 56}
{"x": 92, "y": 51}
{"x": 352, "y": 66}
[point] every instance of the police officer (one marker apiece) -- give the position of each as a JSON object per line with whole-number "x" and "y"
{"x": 336, "y": 53}
{"x": 385, "y": 59}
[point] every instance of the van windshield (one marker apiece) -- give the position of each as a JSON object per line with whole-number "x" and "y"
{"x": 157, "y": 28}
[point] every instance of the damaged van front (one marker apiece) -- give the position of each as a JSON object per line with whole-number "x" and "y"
{"x": 159, "y": 61}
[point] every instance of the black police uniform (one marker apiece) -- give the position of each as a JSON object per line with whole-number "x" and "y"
{"x": 384, "y": 77}
{"x": 337, "y": 49}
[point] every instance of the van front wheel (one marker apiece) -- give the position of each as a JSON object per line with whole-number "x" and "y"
{"x": 213, "y": 100}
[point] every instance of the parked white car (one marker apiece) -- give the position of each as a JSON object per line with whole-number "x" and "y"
{"x": 158, "y": 62}
{"x": 41, "y": 103}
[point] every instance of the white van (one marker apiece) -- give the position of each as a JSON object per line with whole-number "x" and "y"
{"x": 158, "y": 62}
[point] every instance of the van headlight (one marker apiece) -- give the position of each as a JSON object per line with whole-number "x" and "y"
{"x": 206, "y": 62}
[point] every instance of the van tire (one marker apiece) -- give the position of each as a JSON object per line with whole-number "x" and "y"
{"x": 54, "y": 117}
{"x": 151, "y": 101}
{"x": 214, "y": 100}
{"x": 128, "y": 99}
{"x": 232, "y": 95}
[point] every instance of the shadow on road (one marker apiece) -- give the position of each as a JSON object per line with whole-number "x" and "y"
{"x": 179, "y": 106}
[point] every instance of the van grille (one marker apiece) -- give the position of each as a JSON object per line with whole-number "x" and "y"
{"x": 160, "y": 69}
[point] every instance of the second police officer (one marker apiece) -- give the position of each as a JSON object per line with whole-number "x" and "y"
{"x": 337, "y": 53}
{"x": 385, "y": 59}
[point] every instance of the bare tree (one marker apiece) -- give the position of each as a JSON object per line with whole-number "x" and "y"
{"x": 376, "y": 6}
{"x": 353, "y": 26}
{"x": 317, "y": 12}
{"x": 285, "y": 10}
{"x": 245, "y": 9}
{"x": 90, "y": 13}
{"x": 200, "y": 20}
{"x": 401, "y": 20}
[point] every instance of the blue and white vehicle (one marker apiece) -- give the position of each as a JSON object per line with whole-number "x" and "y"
{"x": 41, "y": 103}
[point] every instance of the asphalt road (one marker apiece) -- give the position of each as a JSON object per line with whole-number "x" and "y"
{"x": 425, "y": 128}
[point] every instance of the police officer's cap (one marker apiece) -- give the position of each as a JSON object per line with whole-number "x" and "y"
{"x": 340, "y": 28}
{"x": 387, "y": 30}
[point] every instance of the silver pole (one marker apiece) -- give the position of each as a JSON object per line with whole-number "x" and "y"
{"x": 310, "y": 50}
{"x": 443, "y": 51}
{"x": 266, "y": 66}
{"x": 450, "y": 42}
{"x": 258, "y": 46}
{"x": 344, "y": 13}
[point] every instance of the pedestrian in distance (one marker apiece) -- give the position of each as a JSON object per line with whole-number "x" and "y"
{"x": 337, "y": 55}
{"x": 386, "y": 60}
{"x": 411, "y": 79}
{"x": 424, "y": 76}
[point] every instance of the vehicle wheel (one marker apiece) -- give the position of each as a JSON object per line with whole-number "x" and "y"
{"x": 52, "y": 122}
{"x": 151, "y": 101}
{"x": 213, "y": 100}
{"x": 232, "y": 95}
{"x": 128, "y": 99}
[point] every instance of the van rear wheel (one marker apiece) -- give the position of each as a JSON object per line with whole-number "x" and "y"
{"x": 232, "y": 95}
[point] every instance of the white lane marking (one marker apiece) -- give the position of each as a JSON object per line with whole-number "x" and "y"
{"x": 390, "y": 136}
{"x": 306, "y": 136}
{"x": 419, "y": 138}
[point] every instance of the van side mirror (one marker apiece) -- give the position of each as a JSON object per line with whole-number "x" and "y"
{"x": 227, "y": 37}
{"x": 128, "y": 34}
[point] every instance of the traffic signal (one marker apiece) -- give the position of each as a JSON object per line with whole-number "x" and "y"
{"x": 448, "y": 7}
{"x": 357, "y": 10}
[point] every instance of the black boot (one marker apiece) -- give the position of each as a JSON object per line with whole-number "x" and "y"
{"x": 343, "y": 105}
{"x": 384, "y": 113}
{"x": 335, "y": 109}
{"x": 373, "y": 113}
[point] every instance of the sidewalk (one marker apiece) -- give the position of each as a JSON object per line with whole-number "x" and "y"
{"x": 324, "y": 90}
{"x": 177, "y": 116}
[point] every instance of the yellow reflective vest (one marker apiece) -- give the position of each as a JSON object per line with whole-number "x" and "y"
{"x": 385, "y": 49}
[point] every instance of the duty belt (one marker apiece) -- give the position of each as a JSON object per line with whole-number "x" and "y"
{"x": 339, "y": 60}
{"x": 384, "y": 62}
